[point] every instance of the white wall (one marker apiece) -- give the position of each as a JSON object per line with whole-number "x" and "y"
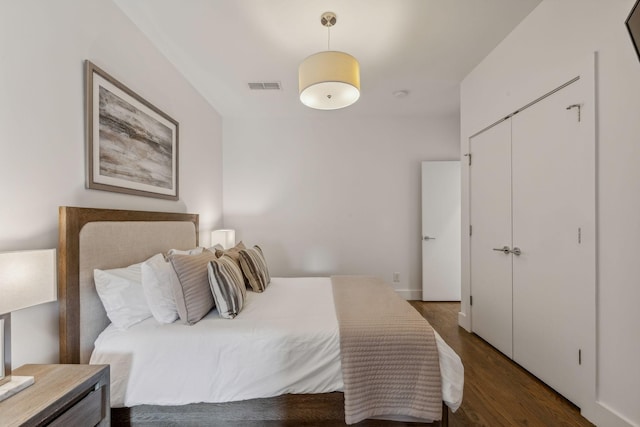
{"x": 331, "y": 194}
{"x": 42, "y": 163}
{"x": 524, "y": 65}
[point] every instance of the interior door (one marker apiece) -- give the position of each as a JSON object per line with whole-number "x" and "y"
{"x": 491, "y": 263}
{"x": 548, "y": 212}
{"x": 441, "y": 262}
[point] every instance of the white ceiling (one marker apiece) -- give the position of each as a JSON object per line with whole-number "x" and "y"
{"x": 425, "y": 47}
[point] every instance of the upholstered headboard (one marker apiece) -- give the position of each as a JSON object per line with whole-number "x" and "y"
{"x": 106, "y": 238}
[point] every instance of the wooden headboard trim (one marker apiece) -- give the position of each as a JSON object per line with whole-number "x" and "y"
{"x": 71, "y": 222}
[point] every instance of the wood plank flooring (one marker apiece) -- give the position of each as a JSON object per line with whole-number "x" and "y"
{"x": 497, "y": 392}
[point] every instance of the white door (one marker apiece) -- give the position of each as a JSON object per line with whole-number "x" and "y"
{"x": 549, "y": 207}
{"x": 490, "y": 204}
{"x": 441, "y": 258}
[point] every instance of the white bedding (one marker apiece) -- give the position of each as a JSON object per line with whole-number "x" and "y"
{"x": 285, "y": 340}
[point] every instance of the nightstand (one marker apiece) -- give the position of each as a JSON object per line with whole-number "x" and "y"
{"x": 63, "y": 395}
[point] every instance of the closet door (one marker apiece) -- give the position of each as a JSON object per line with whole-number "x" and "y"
{"x": 490, "y": 192}
{"x": 549, "y": 282}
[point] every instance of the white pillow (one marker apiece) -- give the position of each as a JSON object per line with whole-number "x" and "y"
{"x": 194, "y": 251}
{"x": 157, "y": 274}
{"x": 216, "y": 247}
{"x": 122, "y": 296}
{"x": 158, "y": 278}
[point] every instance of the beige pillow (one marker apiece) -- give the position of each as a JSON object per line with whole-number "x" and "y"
{"x": 192, "y": 292}
{"x": 158, "y": 280}
{"x": 254, "y": 268}
{"x": 233, "y": 253}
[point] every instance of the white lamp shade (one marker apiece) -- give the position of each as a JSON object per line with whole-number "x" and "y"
{"x": 27, "y": 278}
{"x": 329, "y": 80}
{"x": 225, "y": 238}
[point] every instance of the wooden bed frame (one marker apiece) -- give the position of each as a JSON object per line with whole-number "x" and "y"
{"x": 106, "y": 238}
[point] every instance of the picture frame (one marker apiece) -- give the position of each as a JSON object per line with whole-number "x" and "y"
{"x": 633, "y": 26}
{"x": 5, "y": 348}
{"x": 132, "y": 146}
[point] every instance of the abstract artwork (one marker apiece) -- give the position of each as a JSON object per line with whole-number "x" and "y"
{"x": 132, "y": 146}
{"x": 633, "y": 26}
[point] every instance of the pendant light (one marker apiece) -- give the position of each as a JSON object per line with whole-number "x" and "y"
{"x": 329, "y": 80}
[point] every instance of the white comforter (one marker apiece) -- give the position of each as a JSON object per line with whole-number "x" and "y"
{"x": 285, "y": 340}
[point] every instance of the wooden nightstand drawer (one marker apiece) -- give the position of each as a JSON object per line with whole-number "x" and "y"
{"x": 90, "y": 410}
{"x": 62, "y": 395}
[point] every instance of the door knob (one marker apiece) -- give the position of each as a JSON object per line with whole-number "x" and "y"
{"x": 505, "y": 250}
{"x": 516, "y": 251}
{"x": 428, "y": 238}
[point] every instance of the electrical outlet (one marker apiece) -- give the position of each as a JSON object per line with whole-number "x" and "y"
{"x": 396, "y": 277}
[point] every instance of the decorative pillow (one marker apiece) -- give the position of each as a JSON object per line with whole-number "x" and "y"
{"x": 158, "y": 281}
{"x": 227, "y": 286}
{"x": 233, "y": 252}
{"x": 193, "y": 293}
{"x": 121, "y": 293}
{"x": 254, "y": 268}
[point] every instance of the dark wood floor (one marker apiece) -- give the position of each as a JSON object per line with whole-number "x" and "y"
{"x": 497, "y": 392}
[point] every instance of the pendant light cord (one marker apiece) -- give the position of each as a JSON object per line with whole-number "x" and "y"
{"x": 328, "y": 38}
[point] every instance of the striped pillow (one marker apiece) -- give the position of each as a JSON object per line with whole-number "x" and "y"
{"x": 227, "y": 286}
{"x": 233, "y": 253}
{"x": 192, "y": 292}
{"x": 254, "y": 268}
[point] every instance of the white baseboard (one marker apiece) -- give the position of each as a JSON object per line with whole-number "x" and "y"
{"x": 463, "y": 321}
{"x": 410, "y": 294}
{"x": 601, "y": 415}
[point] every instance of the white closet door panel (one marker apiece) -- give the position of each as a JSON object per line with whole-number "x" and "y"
{"x": 547, "y": 207}
{"x": 490, "y": 193}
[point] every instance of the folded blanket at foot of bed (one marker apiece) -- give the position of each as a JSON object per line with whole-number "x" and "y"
{"x": 388, "y": 350}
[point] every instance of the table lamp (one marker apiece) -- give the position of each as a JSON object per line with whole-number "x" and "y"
{"x": 225, "y": 238}
{"x": 27, "y": 278}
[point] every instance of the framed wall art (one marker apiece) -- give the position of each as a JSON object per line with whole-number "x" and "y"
{"x": 633, "y": 26}
{"x": 132, "y": 146}
{"x": 5, "y": 348}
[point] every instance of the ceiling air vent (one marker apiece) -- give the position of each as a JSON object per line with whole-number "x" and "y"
{"x": 264, "y": 86}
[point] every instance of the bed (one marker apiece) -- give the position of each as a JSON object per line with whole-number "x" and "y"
{"x": 104, "y": 239}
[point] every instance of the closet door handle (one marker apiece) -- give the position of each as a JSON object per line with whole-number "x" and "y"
{"x": 505, "y": 250}
{"x": 516, "y": 251}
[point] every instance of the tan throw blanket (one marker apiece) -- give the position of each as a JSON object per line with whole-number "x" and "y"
{"x": 389, "y": 356}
